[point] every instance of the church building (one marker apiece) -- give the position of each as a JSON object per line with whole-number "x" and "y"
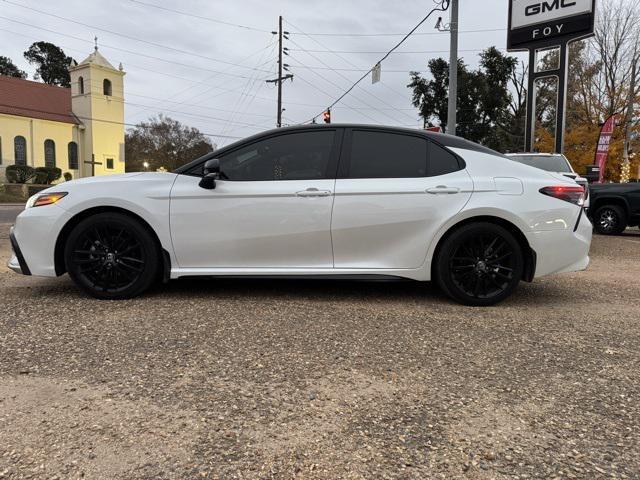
{"x": 79, "y": 129}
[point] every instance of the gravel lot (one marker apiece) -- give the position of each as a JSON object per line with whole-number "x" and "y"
{"x": 284, "y": 379}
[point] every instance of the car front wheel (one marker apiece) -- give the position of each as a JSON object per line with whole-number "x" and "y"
{"x": 479, "y": 264}
{"x": 609, "y": 220}
{"x": 111, "y": 256}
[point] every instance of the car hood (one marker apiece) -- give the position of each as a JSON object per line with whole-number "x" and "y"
{"x": 110, "y": 180}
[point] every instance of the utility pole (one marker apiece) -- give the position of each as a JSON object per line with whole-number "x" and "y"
{"x": 279, "y": 122}
{"x": 629, "y": 116}
{"x": 281, "y": 66}
{"x": 453, "y": 69}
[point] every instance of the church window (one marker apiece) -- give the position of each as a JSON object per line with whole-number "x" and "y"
{"x": 81, "y": 85}
{"x": 106, "y": 87}
{"x": 110, "y": 163}
{"x": 49, "y": 153}
{"x": 73, "y": 155}
{"x": 20, "y": 150}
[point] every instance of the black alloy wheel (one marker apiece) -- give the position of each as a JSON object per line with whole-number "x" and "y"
{"x": 111, "y": 256}
{"x": 479, "y": 264}
{"x": 609, "y": 220}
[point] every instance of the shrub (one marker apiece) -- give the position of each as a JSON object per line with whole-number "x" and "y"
{"x": 19, "y": 173}
{"x": 68, "y": 176}
{"x": 47, "y": 175}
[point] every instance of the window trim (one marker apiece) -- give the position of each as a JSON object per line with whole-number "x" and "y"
{"x": 345, "y": 157}
{"x": 332, "y": 164}
{"x": 69, "y": 163}
{"x": 53, "y": 143}
{"x": 26, "y": 153}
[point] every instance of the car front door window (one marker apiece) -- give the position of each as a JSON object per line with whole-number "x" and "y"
{"x": 296, "y": 156}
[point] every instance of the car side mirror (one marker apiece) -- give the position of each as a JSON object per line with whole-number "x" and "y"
{"x": 211, "y": 172}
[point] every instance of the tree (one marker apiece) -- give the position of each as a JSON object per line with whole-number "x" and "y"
{"x": 163, "y": 142}
{"x": 484, "y": 99}
{"x": 52, "y": 64}
{"x": 9, "y": 69}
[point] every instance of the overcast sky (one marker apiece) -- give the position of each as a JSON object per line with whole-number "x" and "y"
{"x": 183, "y": 66}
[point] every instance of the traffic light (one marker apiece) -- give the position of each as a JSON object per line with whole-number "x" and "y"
{"x": 326, "y": 115}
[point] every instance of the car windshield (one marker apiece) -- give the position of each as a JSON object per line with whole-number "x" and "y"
{"x": 550, "y": 163}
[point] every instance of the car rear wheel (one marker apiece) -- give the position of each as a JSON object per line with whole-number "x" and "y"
{"x": 609, "y": 220}
{"x": 111, "y": 256}
{"x": 479, "y": 264}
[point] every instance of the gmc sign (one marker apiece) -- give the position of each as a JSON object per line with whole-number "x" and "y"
{"x": 535, "y": 23}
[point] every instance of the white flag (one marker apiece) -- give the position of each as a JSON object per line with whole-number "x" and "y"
{"x": 375, "y": 73}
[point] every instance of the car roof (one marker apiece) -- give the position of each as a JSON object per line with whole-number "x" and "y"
{"x": 442, "y": 139}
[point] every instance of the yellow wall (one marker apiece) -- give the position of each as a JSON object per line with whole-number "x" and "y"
{"x": 101, "y": 132}
{"x": 36, "y": 131}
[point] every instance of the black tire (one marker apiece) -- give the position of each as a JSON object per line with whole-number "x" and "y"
{"x": 609, "y": 220}
{"x": 479, "y": 264}
{"x": 112, "y": 256}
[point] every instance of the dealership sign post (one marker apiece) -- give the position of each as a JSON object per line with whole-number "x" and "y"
{"x": 536, "y": 25}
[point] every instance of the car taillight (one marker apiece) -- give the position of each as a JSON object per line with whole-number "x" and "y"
{"x": 569, "y": 194}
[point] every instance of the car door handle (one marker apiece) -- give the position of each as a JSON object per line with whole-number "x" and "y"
{"x": 442, "y": 189}
{"x": 313, "y": 192}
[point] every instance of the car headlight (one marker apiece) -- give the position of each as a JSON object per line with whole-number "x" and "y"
{"x": 40, "y": 199}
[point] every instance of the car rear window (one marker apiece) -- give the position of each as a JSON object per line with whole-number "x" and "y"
{"x": 549, "y": 163}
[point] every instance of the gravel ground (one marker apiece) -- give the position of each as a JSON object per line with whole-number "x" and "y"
{"x": 312, "y": 379}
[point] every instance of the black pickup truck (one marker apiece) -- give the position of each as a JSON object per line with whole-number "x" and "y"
{"x": 614, "y": 206}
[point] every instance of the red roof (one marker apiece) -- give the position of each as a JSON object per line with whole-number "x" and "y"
{"x": 35, "y": 100}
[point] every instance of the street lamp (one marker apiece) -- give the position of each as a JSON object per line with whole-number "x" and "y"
{"x": 145, "y": 165}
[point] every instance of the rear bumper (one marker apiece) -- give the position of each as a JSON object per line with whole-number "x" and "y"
{"x": 565, "y": 250}
{"x": 17, "y": 263}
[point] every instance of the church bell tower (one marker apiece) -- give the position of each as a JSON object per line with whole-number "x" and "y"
{"x": 97, "y": 99}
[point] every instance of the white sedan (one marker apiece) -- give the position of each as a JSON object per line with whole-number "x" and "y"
{"x": 343, "y": 201}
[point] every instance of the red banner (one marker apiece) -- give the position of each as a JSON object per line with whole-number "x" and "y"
{"x": 602, "y": 150}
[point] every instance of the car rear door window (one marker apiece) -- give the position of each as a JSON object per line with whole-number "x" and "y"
{"x": 292, "y": 156}
{"x": 386, "y": 155}
{"x": 441, "y": 161}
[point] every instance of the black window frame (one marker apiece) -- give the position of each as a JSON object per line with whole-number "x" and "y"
{"x": 51, "y": 161}
{"x": 345, "y": 157}
{"x": 72, "y": 160}
{"x": 332, "y": 164}
{"x": 15, "y": 150}
{"x": 109, "y": 163}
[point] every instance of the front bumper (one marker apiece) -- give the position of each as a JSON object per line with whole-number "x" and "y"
{"x": 17, "y": 262}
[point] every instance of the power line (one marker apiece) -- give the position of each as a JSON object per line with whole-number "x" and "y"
{"x": 123, "y": 35}
{"x": 329, "y": 95}
{"x": 348, "y": 62}
{"x": 196, "y": 67}
{"x": 332, "y": 34}
{"x": 442, "y": 6}
{"x": 413, "y": 52}
{"x": 349, "y": 80}
{"x": 315, "y": 67}
{"x": 201, "y": 17}
{"x": 357, "y": 98}
{"x": 108, "y": 121}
